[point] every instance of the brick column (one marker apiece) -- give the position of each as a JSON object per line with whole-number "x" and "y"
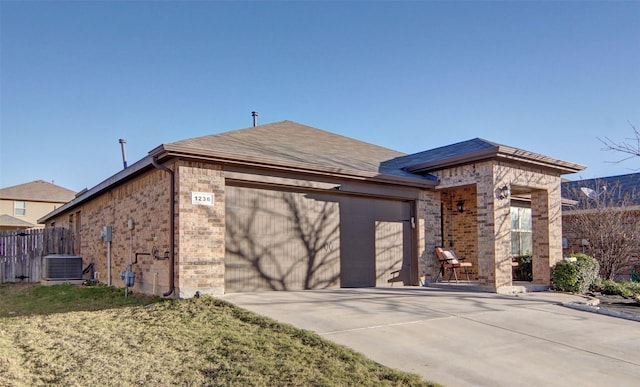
{"x": 502, "y": 243}
{"x": 429, "y": 233}
{"x": 486, "y": 224}
{"x": 547, "y": 233}
{"x": 201, "y": 230}
{"x": 494, "y": 235}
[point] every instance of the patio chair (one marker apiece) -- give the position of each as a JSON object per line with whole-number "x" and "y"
{"x": 449, "y": 261}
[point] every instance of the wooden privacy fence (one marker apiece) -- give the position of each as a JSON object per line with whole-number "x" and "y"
{"x": 22, "y": 252}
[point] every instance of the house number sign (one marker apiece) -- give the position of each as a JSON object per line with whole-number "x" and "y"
{"x": 202, "y": 198}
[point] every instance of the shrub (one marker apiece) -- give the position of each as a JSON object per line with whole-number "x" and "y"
{"x": 635, "y": 274}
{"x": 565, "y": 276}
{"x": 625, "y": 288}
{"x": 612, "y": 287}
{"x": 523, "y": 272}
{"x": 577, "y": 275}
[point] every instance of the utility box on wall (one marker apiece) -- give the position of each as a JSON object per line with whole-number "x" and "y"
{"x": 62, "y": 267}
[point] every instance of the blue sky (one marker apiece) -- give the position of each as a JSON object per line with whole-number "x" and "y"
{"x": 548, "y": 77}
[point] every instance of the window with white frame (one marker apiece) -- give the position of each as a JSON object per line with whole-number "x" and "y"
{"x": 521, "y": 231}
{"x": 19, "y": 208}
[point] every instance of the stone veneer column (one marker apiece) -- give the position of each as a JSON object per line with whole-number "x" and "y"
{"x": 200, "y": 231}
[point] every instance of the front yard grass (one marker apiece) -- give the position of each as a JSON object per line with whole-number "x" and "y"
{"x": 74, "y": 335}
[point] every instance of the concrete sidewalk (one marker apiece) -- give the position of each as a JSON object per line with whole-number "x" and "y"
{"x": 466, "y": 338}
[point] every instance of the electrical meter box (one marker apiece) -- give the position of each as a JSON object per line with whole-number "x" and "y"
{"x": 105, "y": 234}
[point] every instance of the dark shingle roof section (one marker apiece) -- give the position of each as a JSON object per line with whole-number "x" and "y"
{"x": 289, "y": 142}
{"x": 37, "y": 191}
{"x": 475, "y": 150}
{"x": 618, "y": 186}
{"x": 437, "y": 156}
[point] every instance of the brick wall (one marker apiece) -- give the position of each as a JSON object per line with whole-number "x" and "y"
{"x": 199, "y": 255}
{"x": 145, "y": 201}
{"x": 482, "y": 232}
{"x": 201, "y": 228}
{"x": 460, "y": 228}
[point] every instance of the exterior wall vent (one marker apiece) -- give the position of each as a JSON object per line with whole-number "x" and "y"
{"x": 62, "y": 267}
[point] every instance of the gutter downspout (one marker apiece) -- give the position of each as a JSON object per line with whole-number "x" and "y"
{"x": 172, "y": 223}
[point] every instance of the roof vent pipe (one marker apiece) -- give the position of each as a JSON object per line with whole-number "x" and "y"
{"x": 255, "y": 118}
{"x": 124, "y": 154}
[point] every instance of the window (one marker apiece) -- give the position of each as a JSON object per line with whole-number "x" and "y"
{"x": 521, "y": 231}
{"x": 19, "y": 208}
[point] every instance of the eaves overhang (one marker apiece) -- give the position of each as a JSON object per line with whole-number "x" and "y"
{"x": 167, "y": 151}
{"x": 498, "y": 152}
{"x": 170, "y": 150}
{"x": 85, "y": 195}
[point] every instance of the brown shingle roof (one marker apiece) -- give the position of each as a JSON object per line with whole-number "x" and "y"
{"x": 287, "y": 144}
{"x": 288, "y": 141}
{"x": 10, "y": 221}
{"x": 37, "y": 191}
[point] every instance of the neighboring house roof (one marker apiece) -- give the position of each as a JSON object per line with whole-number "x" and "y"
{"x": 10, "y": 221}
{"x": 617, "y": 187}
{"x": 37, "y": 191}
{"x": 475, "y": 150}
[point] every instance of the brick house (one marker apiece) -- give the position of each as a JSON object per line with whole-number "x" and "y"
{"x": 286, "y": 206}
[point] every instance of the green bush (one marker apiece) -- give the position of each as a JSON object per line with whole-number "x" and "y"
{"x": 575, "y": 276}
{"x": 565, "y": 276}
{"x": 523, "y": 272}
{"x": 635, "y": 274}
{"x": 625, "y": 288}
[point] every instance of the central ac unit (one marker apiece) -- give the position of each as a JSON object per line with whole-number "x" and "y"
{"x": 62, "y": 267}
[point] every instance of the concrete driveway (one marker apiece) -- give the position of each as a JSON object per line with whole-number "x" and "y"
{"x": 462, "y": 338}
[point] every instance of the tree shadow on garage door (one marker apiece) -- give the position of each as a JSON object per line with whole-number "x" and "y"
{"x": 280, "y": 241}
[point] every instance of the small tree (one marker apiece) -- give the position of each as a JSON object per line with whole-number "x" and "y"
{"x": 601, "y": 217}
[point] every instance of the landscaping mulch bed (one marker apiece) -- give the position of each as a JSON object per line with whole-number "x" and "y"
{"x": 619, "y": 303}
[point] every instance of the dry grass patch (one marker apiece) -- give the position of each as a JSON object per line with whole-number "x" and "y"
{"x": 192, "y": 342}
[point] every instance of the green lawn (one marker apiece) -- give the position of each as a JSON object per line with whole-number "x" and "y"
{"x": 78, "y": 335}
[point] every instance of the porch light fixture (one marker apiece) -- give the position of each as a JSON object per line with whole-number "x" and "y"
{"x": 503, "y": 192}
{"x": 460, "y": 206}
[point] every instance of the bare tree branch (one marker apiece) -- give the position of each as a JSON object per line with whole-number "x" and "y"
{"x": 630, "y": 146}
{"x": 609, "y": 227}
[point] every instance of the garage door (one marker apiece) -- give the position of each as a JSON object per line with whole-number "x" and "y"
{"x": 375, "y": 237}
{"x": 278, "y": 240}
